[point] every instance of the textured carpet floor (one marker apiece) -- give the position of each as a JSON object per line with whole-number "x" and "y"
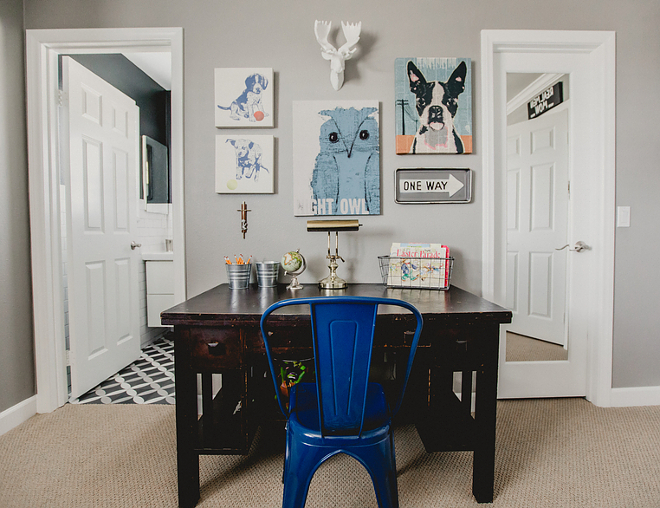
{"x": 550, "y": 453}
{"x": 526, "y": 349}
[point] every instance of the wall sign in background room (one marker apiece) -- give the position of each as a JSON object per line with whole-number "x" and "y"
{"x": 336, "y": 158}
{"x": 244, "y": 98}
{"x": 433, "y": 105}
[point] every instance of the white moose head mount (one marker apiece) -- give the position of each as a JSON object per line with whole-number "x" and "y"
{"x": 337, "y": 57}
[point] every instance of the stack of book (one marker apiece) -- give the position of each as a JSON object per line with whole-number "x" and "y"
{"x": 419, "y": 265}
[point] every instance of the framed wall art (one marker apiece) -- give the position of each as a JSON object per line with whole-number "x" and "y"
{"x": 244, "y": 164}
{"x": 244, "y": 97}
{"x": 433, "y": 105}
{"x": 336, "y": 158}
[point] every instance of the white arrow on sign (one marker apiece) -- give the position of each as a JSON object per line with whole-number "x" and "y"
{"x": 451, "y": 185}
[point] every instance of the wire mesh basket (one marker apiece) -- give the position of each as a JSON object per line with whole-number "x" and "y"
{"x": 416, "y": 272}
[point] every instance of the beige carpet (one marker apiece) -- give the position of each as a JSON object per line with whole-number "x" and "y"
{"x": 550, "y": 453}
{"x": 520, "y": 348}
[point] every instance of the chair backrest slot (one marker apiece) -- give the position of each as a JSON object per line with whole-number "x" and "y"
{"x": 343, "y": 338}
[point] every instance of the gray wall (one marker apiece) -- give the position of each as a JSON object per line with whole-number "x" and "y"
{"x": 280, "y": 35}
{"x": 16, "y": 343}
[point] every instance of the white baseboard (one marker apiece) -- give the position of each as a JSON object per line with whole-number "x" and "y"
{"x": 639, "y": 396}
{"x": 17, "y": 414}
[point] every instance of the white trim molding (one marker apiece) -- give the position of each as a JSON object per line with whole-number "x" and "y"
{"x": 17, "y": 414}
{"x": 43, "y": 48}
{"x": 531, "y": 90}
{"x": 639, "y": 396}
{"x": 600, "y": 47}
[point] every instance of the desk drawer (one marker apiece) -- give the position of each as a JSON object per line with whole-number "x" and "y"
{"x": 280, "y": 338}
{"x": 213, "y": 348}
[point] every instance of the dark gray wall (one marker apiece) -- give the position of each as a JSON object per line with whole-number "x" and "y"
{"x": 17, "y": 381}
{"x": 280, "y": 35}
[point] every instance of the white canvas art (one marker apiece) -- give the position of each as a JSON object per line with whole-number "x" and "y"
{"x": 336, "y": 158}
{"x": 244, "y": 164}
{"x": 244, "y": 97}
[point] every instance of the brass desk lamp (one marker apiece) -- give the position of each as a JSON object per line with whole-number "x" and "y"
{"x": 332, "y": 281}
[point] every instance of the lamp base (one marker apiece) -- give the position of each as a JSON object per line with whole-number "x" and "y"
{"x": 332, "y": 281}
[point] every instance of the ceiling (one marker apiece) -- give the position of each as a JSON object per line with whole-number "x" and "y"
{"x": 516, "y": 82}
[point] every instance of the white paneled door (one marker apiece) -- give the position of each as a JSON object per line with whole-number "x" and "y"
{"x": 99, "y": 160}
{"x": 537, "y": 221}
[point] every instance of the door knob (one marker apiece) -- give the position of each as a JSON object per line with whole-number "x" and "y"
{"x": 579, "y": 247}
{"x": 135, "y": 245}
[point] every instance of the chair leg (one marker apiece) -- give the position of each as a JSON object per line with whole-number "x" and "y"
{"x": 381, "y": 464}
{"x": 302, "y": 463}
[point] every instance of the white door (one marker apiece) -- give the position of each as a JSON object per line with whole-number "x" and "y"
{"x": 561, "y": 377}
{"x": 537, "y": 208}
{"x": 99, "y": 162}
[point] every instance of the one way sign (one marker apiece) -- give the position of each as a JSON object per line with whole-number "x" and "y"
{"x": 433, "y": 185}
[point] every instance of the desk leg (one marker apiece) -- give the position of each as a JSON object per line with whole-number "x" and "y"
{"x": 185, "y": 385}
{"x": 485, "y": 418}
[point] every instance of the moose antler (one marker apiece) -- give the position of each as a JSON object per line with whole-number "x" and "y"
{"x": 345, "y": 52}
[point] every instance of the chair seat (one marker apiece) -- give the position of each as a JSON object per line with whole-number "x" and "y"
{"x": 305, "y": 413}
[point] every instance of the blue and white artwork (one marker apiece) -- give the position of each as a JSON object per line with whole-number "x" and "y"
{"x": 244, "y": 97}
{"x": 244, "y": 164}
{"x": 336, "y": 158}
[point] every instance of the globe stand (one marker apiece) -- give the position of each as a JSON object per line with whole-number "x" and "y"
{"x": 294, "y": 284}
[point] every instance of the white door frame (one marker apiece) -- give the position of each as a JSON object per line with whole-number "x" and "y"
{"x": 42, "y": 50}
{"x": 600, "y": 47}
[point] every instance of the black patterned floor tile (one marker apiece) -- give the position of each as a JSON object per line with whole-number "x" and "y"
{"x": 149, "y": 380}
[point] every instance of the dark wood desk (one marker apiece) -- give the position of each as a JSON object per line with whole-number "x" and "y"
{"x": 218, "y": 332}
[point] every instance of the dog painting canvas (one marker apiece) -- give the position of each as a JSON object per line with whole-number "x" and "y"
{"x": 244, "y": 164}
{"x": 336, "y": 158}
{"x": 433, "y": 105}
{"x": 244, "y": 97}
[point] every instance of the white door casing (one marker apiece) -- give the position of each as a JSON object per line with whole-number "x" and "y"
{"x": 100, "y": 152}
{"x": 43, "y": 49}
{"x": 536, "y": 225}
{"x": 590, "y": 280}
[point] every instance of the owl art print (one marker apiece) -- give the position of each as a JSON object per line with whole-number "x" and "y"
{"x": 336, "y": 158}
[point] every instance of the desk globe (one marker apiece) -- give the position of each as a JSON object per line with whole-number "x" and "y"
{"x": 294, "y": 264}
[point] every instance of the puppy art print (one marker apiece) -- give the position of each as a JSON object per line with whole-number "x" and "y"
{"x": 244, "y": 97}
{"x": 336, "y": 158}
{"x": 433, "y": 105}
{"x": 244, "y": 164}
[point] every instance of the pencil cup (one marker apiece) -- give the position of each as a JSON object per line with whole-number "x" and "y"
{"x": 267, "y": 273}
{"x": 239, "y": 276}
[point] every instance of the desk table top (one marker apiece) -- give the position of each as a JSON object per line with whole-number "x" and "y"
{"x": 221, "y": 306}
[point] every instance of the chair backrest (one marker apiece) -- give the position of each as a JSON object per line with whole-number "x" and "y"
{"x": 342, "y": 336}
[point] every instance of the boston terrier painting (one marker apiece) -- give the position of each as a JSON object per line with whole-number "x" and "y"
{"x": 436, "y": 104}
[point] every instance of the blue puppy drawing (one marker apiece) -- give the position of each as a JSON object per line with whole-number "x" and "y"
{"x": 346, "y": 176}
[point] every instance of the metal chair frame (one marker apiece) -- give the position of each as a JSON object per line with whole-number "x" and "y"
{"x": 343, "y": 412}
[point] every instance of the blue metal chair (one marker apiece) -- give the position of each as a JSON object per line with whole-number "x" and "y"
{"x": 342, "y": 412}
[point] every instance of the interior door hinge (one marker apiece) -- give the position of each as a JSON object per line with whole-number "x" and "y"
{"x": 61, "y": 98}
{"x": 67, "y": 357}
{"x": 569, "y": 189}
